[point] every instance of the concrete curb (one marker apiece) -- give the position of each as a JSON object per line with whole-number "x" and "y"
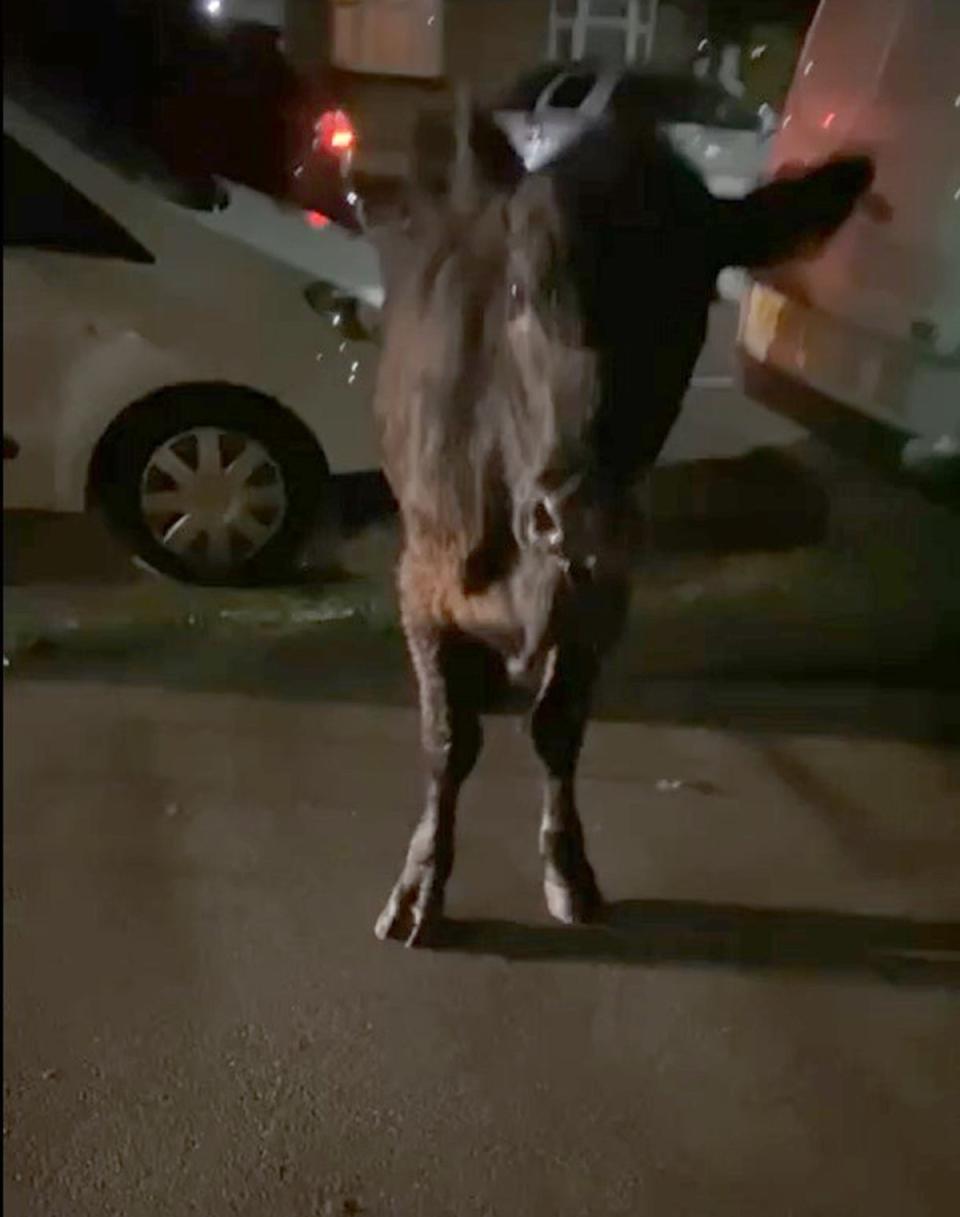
{"x": 52, "y": 614}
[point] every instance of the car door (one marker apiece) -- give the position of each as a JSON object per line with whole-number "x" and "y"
{"x": 47, "y": 223}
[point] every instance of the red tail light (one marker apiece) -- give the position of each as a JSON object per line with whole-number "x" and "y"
{"x": 334, "y": 132}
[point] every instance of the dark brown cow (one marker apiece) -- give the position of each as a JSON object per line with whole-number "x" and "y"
{"x": 536, "y": 352}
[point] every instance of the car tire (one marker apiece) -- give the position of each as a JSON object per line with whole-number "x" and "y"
{"x": 212, "y": 485}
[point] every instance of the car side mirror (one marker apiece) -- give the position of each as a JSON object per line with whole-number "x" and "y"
{"x": 357, "y": 320}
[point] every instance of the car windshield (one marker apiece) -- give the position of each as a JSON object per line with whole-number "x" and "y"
{"x": 175, "y": 105}
{"x": 77, "y": 119}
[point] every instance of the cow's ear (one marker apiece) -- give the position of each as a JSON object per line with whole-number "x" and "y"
{"x": 792, "y": 215}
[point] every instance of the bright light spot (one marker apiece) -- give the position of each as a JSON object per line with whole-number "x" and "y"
{"x": 956, "y": 102}
{"x": 335, "y": 131}
{"x": 355, "y": 365}
{"x": 351, "y": 196}
{"x": 787, "y": 120}
{"x": 757, "y": 51}
{"x": 711, "y": 151}
{"x": 956, "y": 195}
{"x": 703, "y": 44}
{"x": 342, "y": 347}
{"x": 828, "y": 120}
{"x": 351, "y": 378}
{"x": 336, "y": 319}
{"x": 808, "y": 68}
{"x": 213, "y": 7}
{"x": 316, "y": 219}
{"x": 431, "y": 20}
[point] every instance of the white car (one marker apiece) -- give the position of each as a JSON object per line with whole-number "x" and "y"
{"x": 194, "y": 371}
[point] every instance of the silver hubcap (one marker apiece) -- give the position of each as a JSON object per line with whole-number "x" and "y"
{"x": 212, "y": 497}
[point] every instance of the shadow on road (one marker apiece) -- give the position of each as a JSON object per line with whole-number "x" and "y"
{"x": 764, "y": 500}
{"x": 347, "y": 665}
{"x": 650, "y": 932}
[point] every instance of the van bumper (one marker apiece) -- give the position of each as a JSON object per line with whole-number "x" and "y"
{"x": 792, "y": 351}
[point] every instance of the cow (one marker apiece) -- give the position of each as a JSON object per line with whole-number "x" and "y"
{"x": 536, "y": 349}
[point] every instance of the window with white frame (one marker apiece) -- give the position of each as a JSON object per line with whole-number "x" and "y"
{"x": 611, "y": 31}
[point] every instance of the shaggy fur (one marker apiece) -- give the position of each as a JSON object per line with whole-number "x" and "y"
{"x": 536, "y": 353}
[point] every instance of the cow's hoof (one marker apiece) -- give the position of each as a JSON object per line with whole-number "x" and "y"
{"x": 573, "y": 904}
{"x": 408, "y": 917}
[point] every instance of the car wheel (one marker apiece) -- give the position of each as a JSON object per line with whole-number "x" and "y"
{"x": 213, "y": 487}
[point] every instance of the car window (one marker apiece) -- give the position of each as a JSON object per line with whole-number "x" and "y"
{"x": 720, "y": 109}
{"x": 42, "y": 210}
{"x": 572, "y": 92}
{"x": 107, "y": 133}
{"x": 525, "y": 93}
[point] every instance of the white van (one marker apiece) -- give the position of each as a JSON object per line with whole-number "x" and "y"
{"x": 873, "y": 323}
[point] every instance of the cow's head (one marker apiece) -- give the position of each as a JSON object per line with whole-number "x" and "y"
{"x": 605, "y": 267}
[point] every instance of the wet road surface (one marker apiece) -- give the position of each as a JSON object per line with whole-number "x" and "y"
{"x": 198, "y": 1018}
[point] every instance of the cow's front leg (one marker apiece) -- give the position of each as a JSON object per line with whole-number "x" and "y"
{"x": 558, "y": 725}
{"x": 452, "y": 737}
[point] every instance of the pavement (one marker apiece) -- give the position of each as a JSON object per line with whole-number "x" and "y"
{"x": 199, "y": 1019}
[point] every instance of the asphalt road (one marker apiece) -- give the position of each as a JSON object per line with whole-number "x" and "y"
{"x": 198, "y": 1018}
